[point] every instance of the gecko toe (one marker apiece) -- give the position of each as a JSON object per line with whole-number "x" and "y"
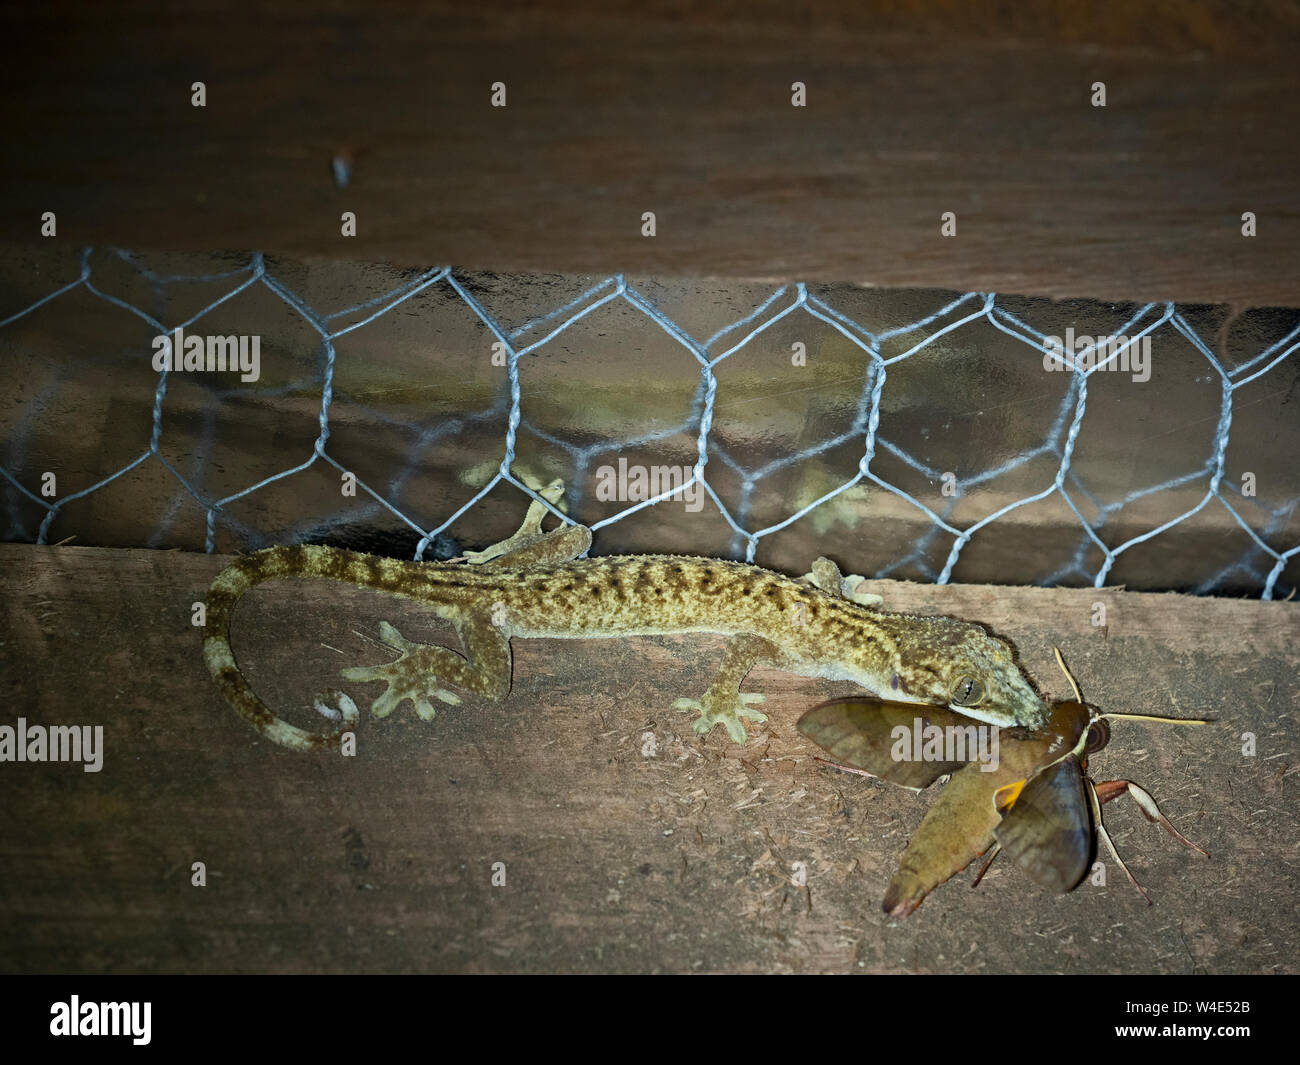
{"x": 337, "y": 706}
{"x": 386, "y": 703}
{"x": 392, "y": 638}
{"x": 727, "y": 715}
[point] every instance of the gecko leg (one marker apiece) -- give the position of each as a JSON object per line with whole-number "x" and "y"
{"x": 550, "y": 549}
{"x": 485, "y": 669}
{"x": 528, "y": 533}
{"x": 415, "y": 675}
{"x": 1107, "y": 790}
{"x": 826, "y": 576}
{"x": 724, "y": 703}
{"x": 529, "y": 546}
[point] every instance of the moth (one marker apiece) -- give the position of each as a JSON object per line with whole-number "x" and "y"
{"x": 1033, "y": 800}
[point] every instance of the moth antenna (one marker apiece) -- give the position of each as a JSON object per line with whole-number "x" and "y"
{"x": 1068, "y": 676}
{"x": 1163, "y": 720}
{"x": 1101, "y": 831}
{"x": 997, "y": 847}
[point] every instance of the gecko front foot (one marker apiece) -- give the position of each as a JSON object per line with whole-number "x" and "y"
{"x": 725, "y": 711}
{"x": 413, "y": 676}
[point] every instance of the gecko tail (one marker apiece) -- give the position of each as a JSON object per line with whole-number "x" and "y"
{"x": 224, "y": 595}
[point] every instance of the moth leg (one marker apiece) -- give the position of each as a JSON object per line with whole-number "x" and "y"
{"x": 1105, "y": 836}
{"x": 1113, "y": 789}
{"x": 724, "y": 703}
{"x": 529, "y": 546}
{"x": 850, "y": 769}
{"x": 993, "y": 853}
{"x": 826, "y": 576}
{"x": 418, "y": 671}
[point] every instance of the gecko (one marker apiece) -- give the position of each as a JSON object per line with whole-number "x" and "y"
{"x": 537, "y": 584}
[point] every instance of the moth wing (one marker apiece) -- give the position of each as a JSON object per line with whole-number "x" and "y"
{"x": 1048, "y": 828}
{"x": 957, "y": 828}
{"x": 860, "y": 731}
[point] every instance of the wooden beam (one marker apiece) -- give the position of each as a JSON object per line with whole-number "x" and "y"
{"x": 616, "y": 858}
{"x": 683, "y": 110}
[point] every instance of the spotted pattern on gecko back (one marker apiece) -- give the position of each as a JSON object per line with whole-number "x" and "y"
{"x": 540, "y": 590}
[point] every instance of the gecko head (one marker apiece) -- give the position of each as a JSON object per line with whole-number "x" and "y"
{"x": 969, "y": 671}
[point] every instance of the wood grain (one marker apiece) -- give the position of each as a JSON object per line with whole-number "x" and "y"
{"x": 684, "y": 110}
{"x": 615, "y": 860}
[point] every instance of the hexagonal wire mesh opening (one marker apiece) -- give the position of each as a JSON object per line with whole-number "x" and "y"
{"x": 911, "y": 434}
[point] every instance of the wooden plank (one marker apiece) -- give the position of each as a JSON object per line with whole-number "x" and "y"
{"x": 618, "y": 109}
{"x": 615, "y": 861}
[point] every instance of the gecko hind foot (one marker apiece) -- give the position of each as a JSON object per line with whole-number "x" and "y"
{"x": 412, "y": 676}
{"x": 718, "y": 711}
{"x": 826, "y": 576}
{"x": 854, "y": 591}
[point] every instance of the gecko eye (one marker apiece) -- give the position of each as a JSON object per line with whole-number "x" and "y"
{"x": 967, "y": 691}
{"x": 1098, "y": 736}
